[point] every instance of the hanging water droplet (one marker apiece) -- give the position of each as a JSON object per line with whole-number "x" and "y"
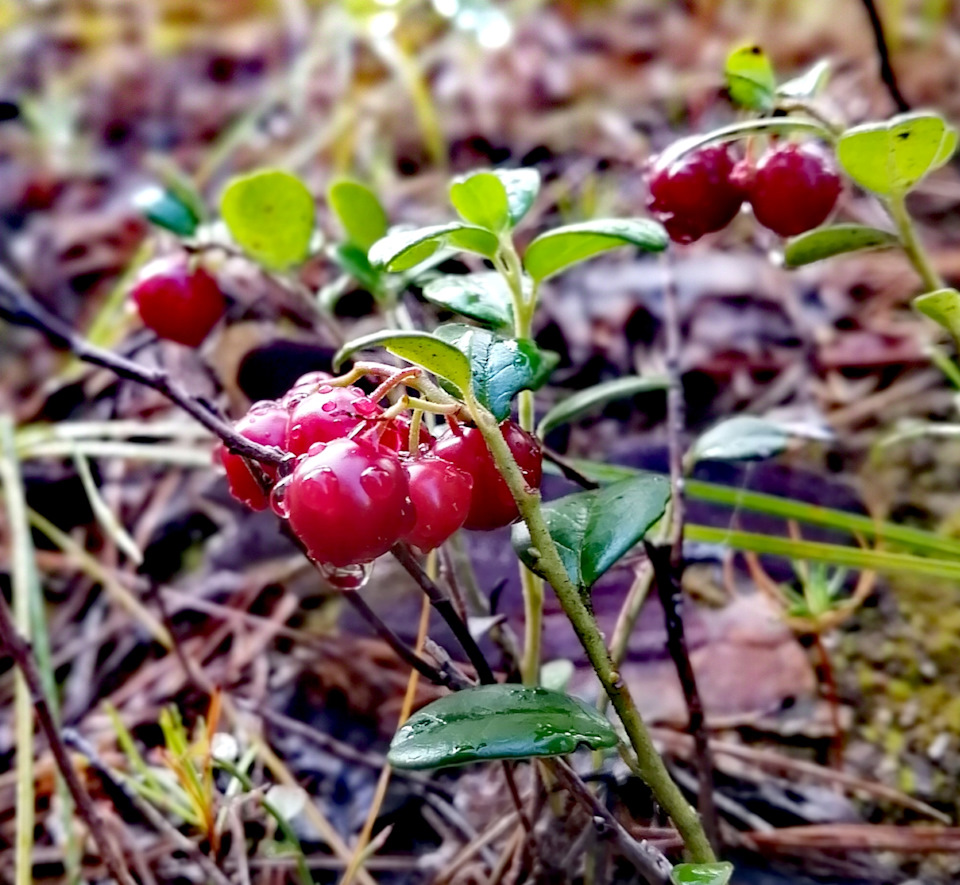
{"x": 376, "y": 481}
{"x": 348, "y": 577}
{"x": 278, "y": 498}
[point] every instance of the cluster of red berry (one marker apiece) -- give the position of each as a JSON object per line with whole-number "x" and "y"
{"x": 792, "y": 188}
{"x": 356, "y": 489}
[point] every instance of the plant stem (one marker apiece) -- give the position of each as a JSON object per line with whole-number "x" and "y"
{"x": 648, "y": 764}
{"x": 914, "y": 249}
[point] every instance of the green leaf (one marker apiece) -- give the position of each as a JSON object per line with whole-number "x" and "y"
{"x": 522, "y": 187}
{"x": 809, "y": 84}
{"x": 892, "y": 156}
{"x": 572, "y": 407}
{"x": 500, "y": 367}
{"x": 405, "y": 249}
{"x": 270, "y": 215}
{"x": 352, "y": 260}
{"x": 750, "y": 78}
{"x": 480, "y": 198}
{"x": 428, "y": 351}
{"x": 498, "y": 722}
{"x": 165, "y": 209}
{"x": 943, "y": 306}
{"x": 825, "y": 242}
{"x": 484, "y": 297}
{"x": 702, "y": 873}
{"x": 592, "y": 530}
{"x": 356, "y": 206}
{"x": 559, "y": 248}
{"x": 743, "y": 438}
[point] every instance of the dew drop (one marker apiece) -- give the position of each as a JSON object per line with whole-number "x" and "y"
{"x": 328, "y": 407}
{"x": 263, "y": 405}
{"x": 376, "y": 481}
{"x": 324, "y": 388}
{"x": 349, "y": 577}
{"x": 278, "y": 498}
{"x": 367, "y": 407}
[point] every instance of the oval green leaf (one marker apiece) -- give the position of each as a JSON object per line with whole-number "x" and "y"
{"x": 702, "y": 873}
{"x": 558, "y": 249}
{"x": 522, "y": 187}
{"x": 352, "y": 260}
{"x": 165, "y": 209}
{"x": 427, "y": 351}
{"x": 481, "y": 199}
{"x": 583, "y": 401}
{"x": 742, "y": 438}
{"x": 498, "y": 722}
{"x": 750, "y": 78}
{"x": 593, "y": 530}
{"x": 483, "y": 297}
{"x": 809, "y": 84}
{"x": 500, "y": 367}
{"x": 942, "y": 306}
{"x": 359, "y": 211}
{"x": 270, "y": 215}
{"x": 825, "y": 242}
{"x": 405, "y": 249}
{"x": 891, "y": 157}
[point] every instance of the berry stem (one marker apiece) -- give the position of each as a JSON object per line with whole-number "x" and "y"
{"x": 897, "y": 207}
{"x": 413, "y": 440}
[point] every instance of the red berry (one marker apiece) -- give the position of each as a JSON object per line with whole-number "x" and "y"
{"x": 441, "y": 494}
{"x": 348, "y": 502}
{"x": 304, "y": 386}
{"x": 694, "y": 195}
{"x": 794, "y": 189}
{"x": 396, "y": 435}
{"x": 179, "y": 303}
{"x": 491, "y": 505}
{"x": 328, "y": 414}
{"x": 265, "y": 423}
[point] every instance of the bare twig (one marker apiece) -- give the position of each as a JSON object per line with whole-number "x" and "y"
{"x": 883, "y": 52}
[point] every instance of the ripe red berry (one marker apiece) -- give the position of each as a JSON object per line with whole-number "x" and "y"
{"x": 265, "y": 423}
{"x": 304, "y": 386}
{"x": 794, "y": 189}
{"x": 491, "y": 505}
{"x": 396, "y": 435}
{"x": 441, "y": 494}
{"x": 328, "y": 414}
{"x": 348, "y": 502}
{"x": 179, "y": 303}
{"x": 694, "y": 195}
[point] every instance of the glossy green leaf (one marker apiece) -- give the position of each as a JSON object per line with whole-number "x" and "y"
{"x": 891, "y": 157}
{"x": 500, "y": 367}
{"x": 270, "y": 215}
{"x": 405, "y": 249}
{"x": 481, "y": 199}
{"x": 592, "y": 530}
{"x": 483, "y": 297}
{"x": 809, "y": 84}
{"x": 352, "y": 260}
{"x": 359, "y": 211}
{"x": 943, "y": 306}
{"x": 165, "y": 209}
{"x": 583, "y": 401}
{"x": 742, "y": 438}
{"x": 498, "y": 722}
{"x": 522, "y": 186}
{"x": 559, "y": 248}
{"x": 825, "y": 242}
{"x": 750, "y": 78}
{"x": 436, "y": 356}
{"x": 702, "y": 873}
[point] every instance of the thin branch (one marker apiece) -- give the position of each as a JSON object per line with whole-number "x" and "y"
{"x": 883, "y": 53}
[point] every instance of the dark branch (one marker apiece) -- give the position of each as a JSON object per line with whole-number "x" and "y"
{"x": 883, "y": 52}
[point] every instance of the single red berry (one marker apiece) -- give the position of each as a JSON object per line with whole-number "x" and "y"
{"x": 396, "y": 435}
{"x": 265, "y": 423}
{"x": 492, "y": 504}
{"x": 794, "y": 189}
{"x": 441, "y": 494}
{"x": 694, "y": 195}
{"x": 304, "y": 386}
{"x": 348, "y": 502}
{"x": 178, "y": 302}
{"x": 328, "y": 414}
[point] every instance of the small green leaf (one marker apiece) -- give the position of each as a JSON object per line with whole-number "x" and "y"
{"x": 943, "y": 306}
{"x": 572, "y": 407}
{"x": 592, "y": 530}
{"x": 809, "y": 84}
{"x": 480, "y": 198}
{"x": 750, "y": 78}
{"x": 498, "y": 722}
{"x": 484, "y": 297}
{"x": 359, "y": 211}
{"x": 428, "y": 351}
{"x": 702, "y": 873}
{"x": 165, "y": 209}
{"x": 405, "y": 249}
{"x": 500, "y": 367}
{"x": 559, "y": 248}
{"x": 270, "y": 215}
{"x": 352, "y": 260}
{"x": 891, "y": 157}
{"x": 742, "y": 438}
{"x": 825, "y": 242}
{"x": 522, "y": 186}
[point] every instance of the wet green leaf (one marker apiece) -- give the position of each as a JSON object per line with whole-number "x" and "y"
{"x": 270, "y": 215}
{"x": 702, "y": 873}
{"x": 405, "y": 249}
{"x": 943, "y": 306}
{"x": 750, "y": 78}
{"x": 809, "y": 84}
{"x": 559, "y": 248}
{"x": 743, "y": 438}
{"x": 825, "y": 242}
{"x": 480, "y": 198}
{"x": 522, "y": 186}
{"x": 498, "y": 722}
{"x": 484, "y": 297}
{"x": 593, "y": 530}
{"x": 357, "y": 207}
{"x": 583, "y": 401}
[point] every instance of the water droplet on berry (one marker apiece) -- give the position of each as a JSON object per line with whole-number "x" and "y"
{"x": 324, "y": 388}
{"x": 366, "y": 407}
{"x": 376, "y": 481}
{"x": 263, "y": 405}
{"x": 328, "y": 407}
{"x": 350, "y": 577}
{"x": 278, "y": 498}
